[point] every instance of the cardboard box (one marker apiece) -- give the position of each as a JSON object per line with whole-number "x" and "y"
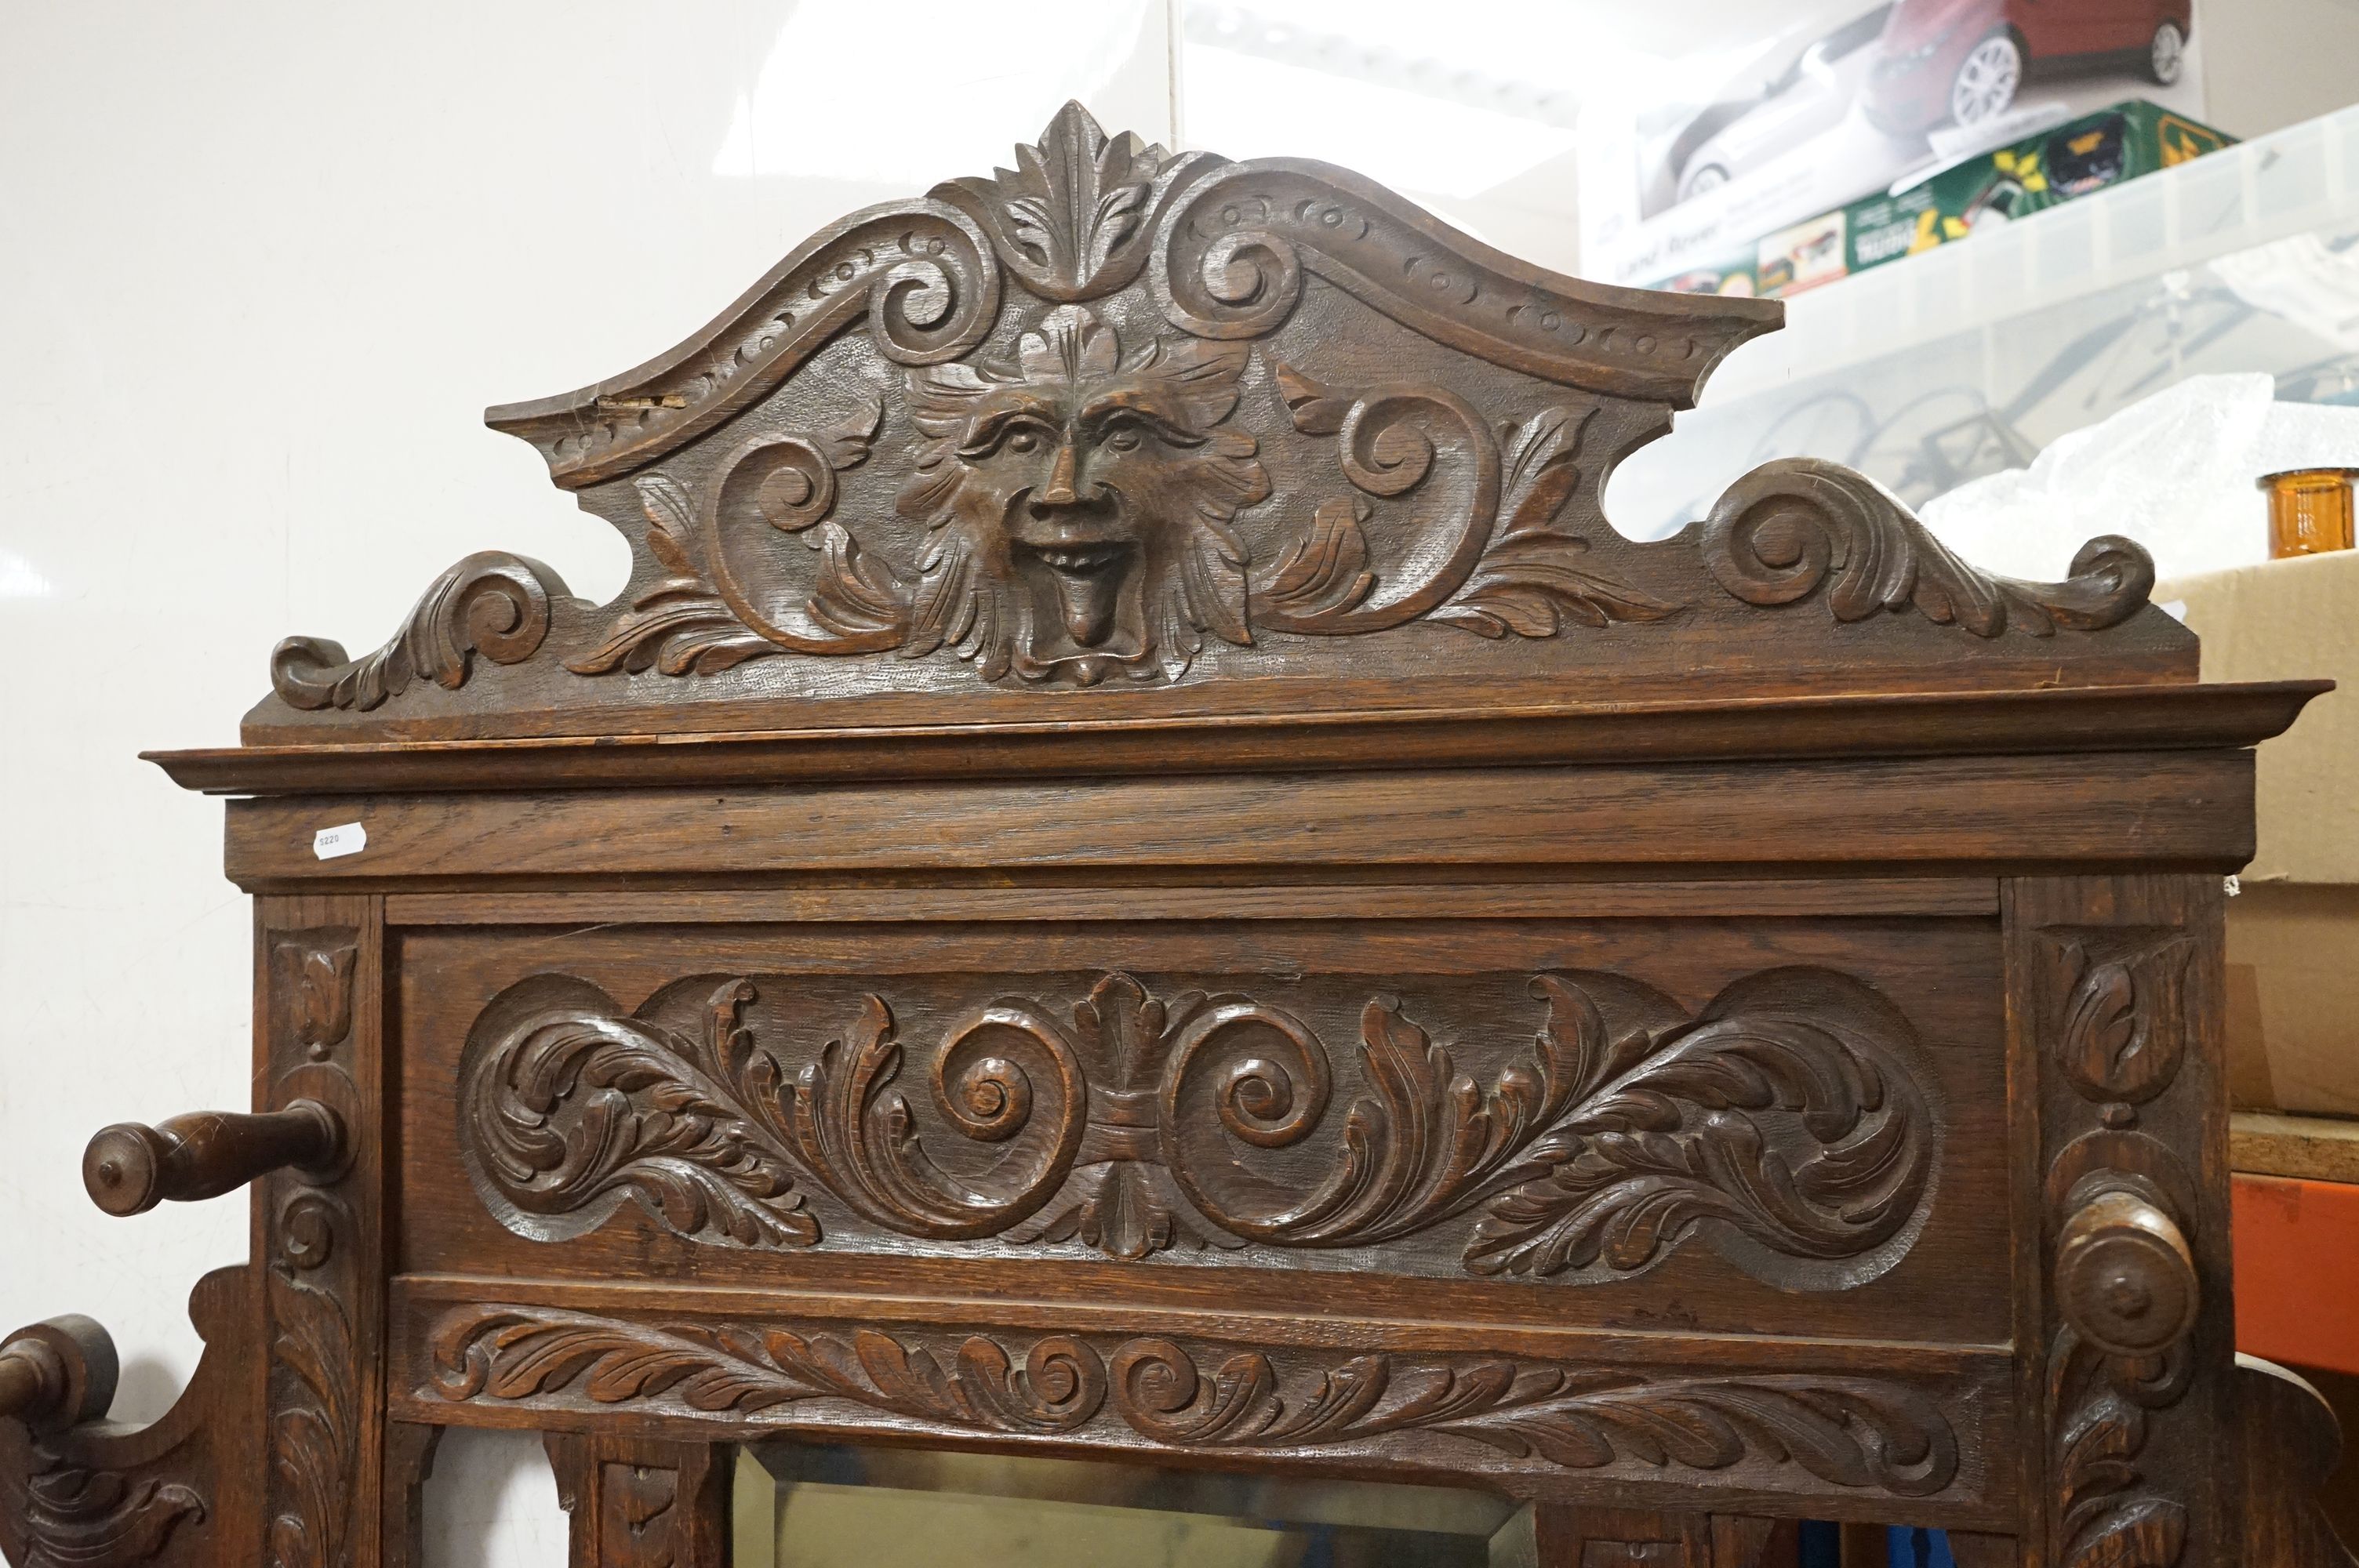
{"x": 2093, "y": 153}
{"x": 2293, "y": 932}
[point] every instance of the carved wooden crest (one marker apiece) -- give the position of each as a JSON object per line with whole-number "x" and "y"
{"x": 1125, "y": 420}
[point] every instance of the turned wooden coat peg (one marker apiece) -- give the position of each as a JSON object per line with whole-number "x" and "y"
{"x": 57, "y": 1373}
{"x": 130, "y": 1167}
{"x": 2124, "y": 1274}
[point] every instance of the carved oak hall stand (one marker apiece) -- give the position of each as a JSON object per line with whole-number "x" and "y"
{"x": 1138, "y": 873}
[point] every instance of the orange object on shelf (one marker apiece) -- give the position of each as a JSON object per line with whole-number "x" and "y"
{"x": 2297, "y": 1270}
{"x": 2309, "y": 510}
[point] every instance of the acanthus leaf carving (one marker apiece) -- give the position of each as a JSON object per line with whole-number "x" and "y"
{"x": 2102, "y": 1409}
{"x": 491, "y": 603}
{"x": 1499, "y": 569}
{"x": 513, "y": 1353}
{"x": 574, "y": 1112}
{"x": 855, "y": 1133}
{"x": 75, "y": 1516}
{"x": 1076, "y": 217}
{"x": 1783, "y": 1125}
{"x": 1847, "y": 1430}
{"x": 1791, "y": 527}
{"x": 702, "y": 618}
{"x": 315, "y": 1429}
{"x": 1527, "y": 583}
{"x": 1665, "y": 1137}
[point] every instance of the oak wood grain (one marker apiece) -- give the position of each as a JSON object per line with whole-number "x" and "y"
{"x": 2185, "y": 809}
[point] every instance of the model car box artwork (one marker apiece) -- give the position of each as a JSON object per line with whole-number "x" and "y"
{"x": 1774, "y": 124}
{"x": 2093, "y": 153}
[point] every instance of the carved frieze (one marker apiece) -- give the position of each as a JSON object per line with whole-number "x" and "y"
{"x": 1785, "y": 1125}
{"x": 1843, "y": 1429}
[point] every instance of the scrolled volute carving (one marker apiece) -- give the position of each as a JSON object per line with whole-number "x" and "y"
{"x": 973, "y": 1384}
{"x": 2103, "y": 1408}
{"x": 921, "y": 274}
{"x": 73, "y": 1517}
{"x": 1233, "y": 252}
{"x": 1785, "y": 1126}
{"x": 853, "y": 1132}
{"x": 1850, "y": 1432}
{"x": 573, "y": 1110}
{"x": 1792, "y": 527}
{"x": 491, "y": 603}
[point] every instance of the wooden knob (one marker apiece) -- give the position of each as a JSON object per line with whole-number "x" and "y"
{"x": 2124, "y": 1277}
{"x": 130, "y": 1168}
{"x": 57, "y": 1373}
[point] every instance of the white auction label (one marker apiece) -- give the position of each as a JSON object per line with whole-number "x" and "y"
{"x": 350, "y": 838}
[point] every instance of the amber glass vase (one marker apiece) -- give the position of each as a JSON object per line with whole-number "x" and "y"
{"x": 2309, "y": 510}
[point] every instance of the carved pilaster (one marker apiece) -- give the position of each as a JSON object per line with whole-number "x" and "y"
{"x": 319, "y": 1233}
{"x": 2115, "y": 992}
{"x": 641, "y": 1503}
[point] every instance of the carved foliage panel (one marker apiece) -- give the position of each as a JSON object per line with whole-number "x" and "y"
{"x": 321, "y": 1228}
{"x": 58, "y": 1513}
{"x": 1116, "y": 416}
{"x": 1812, "y": 1431}
{"x": 1568, "y": 1126}
{"x": 2118, "y": 976}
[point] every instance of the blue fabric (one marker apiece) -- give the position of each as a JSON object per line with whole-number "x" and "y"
{"x": 1913, "y": 1548}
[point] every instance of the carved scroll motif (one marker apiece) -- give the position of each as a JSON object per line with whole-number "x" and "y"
{"x": 71, "y": 1517}
{"x": 1849, "y": 1432}
{"x": 702, "y": 616}
{"x": 491, "y": 603}
{"x": 1783, "y": 1125}
{"x": 1791, "y": 529}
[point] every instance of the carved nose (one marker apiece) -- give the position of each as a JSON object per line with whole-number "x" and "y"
{"x": 1059, "y": 490}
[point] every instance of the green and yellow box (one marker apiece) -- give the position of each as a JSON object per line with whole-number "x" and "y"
{"x": 2094, "y": 153}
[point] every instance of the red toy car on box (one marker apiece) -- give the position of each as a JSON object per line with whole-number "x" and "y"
{"x": 1944, "y": 61}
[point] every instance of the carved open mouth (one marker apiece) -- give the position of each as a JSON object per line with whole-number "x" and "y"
{"x": 1087, "y": 576}
{"x": 1081, "y": 558}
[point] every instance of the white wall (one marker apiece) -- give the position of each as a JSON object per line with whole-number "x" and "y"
{"x": 262, "y": 266}
{"x": 2268, "y": 64}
